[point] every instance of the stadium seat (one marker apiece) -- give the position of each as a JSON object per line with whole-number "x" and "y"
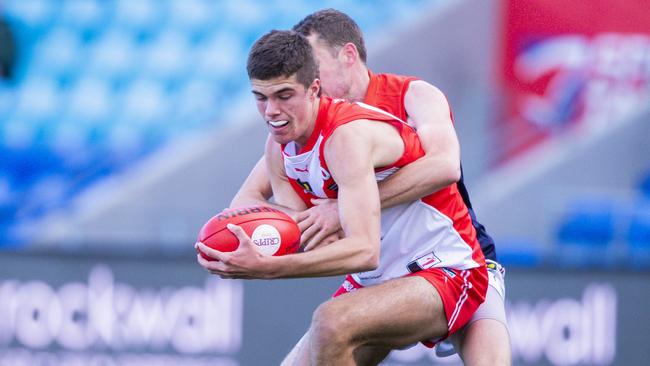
{"x": 87, "y": 17}
{"x": 194, "y": 17}
{"x": 114, "y": 56}
{"x": 143, "y": 18}
{"x": 38, "y": 99}
{"x": 645, "y": 185}
{"x": 58, "y": 55}
{"x": 213, "y": 62}
{"x": 590, "y": 222}
{"x": 90, "y": 100}
{"x": 638, "y": 236}
{"x": 197, "y": 101}
{"x": 166, "y": 58}
{"x": 7, "y": 100}
{"x": 144, "y": 101}
{"x": 586, "y": 232}
{"x": 35, "y": 15}
{"x": 520, "y": 253}
{"x": 99, "y": 84}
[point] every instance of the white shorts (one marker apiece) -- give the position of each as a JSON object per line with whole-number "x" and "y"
{"x": 492, "y": 308}
{"x": 494, "y": 305}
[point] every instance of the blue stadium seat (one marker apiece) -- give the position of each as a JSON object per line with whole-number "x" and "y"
{"x": 144, "y": 101}
{"x": 193, "y": 17}
{"x": 86, "y": 17}
{"x": 638, "y": 236}
{"x": 58, "y": 55}
{"x": 197, "y": 101}
{"x": 7, "y": 100}
{"x": 114, "y": 56}
{"x": 589, "y": 222}
{"x": 166, "y": 58}
{"x": 39, "y": 99}
{"x": 644, "y": 186}
{"x": 520, "y": 253}
{"x": 90, "y": 101}
{"x": 143, "y": 18}
{"x": 586, "y": 232}
{"x": 102, "y": 83}
{"x": 213, "y": 63}
{"x": 34, "y": 15}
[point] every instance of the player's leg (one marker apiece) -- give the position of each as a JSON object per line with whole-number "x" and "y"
{"x": 485, "y": 340}
{"x": 393, "y": 314}
{"x": 299, "y": 354}
{"x": 370, "y": 355}
{"x": 364, "y": 355}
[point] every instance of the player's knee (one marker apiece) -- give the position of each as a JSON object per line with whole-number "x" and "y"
{"x": 327, "y": 325}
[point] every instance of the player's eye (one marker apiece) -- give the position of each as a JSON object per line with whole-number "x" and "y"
{"x": 284, "y": 96}
{"x": 260, "y": 98}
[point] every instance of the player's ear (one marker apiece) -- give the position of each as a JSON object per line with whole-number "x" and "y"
{"x": 314, "y": 89}
{"x": 349, "y": 53}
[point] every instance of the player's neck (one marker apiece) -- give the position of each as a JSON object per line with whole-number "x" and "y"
{"x": 359, "y": 83}
{"x": 301, "y": 142}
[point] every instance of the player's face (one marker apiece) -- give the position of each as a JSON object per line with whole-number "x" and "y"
{"x": 288, "y": 108}
{"x": 332, "y": 71}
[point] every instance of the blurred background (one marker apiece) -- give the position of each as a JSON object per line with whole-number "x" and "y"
{"x": 126, "y": 124}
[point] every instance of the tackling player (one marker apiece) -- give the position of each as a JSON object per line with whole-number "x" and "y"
{"x": 420, "y": 273}
{"x": 339, "y": 48}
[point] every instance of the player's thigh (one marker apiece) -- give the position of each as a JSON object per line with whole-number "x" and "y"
{"x": 396, "y": 313}
{"x": 485, "y": 339}
{"x": 370, "y": 355}
{"x": 485, "y": 342}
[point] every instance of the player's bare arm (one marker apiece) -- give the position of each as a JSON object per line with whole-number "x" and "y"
{"x": 428, "y": 112}
{"x": 257, "y": 190}
{"x": 351, "y": 154}
{"x": 258, "y": 187}
{"x": 285, "y": 197}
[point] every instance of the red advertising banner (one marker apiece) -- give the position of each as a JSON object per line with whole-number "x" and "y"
{"x": 571, "y": 63}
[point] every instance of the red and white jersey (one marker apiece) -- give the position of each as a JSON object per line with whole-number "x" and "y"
{"x": 387, "y": 91}
{"x": 435, "y": 231}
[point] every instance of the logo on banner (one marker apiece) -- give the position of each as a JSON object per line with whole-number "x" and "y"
{"x": 571, "y": 78}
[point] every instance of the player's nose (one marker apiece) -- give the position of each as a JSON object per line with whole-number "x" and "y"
{"x": 272, "y": 110}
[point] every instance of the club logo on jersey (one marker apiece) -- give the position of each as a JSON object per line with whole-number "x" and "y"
{"x": 426, "y": 261}
{"x": 305, "y": 185}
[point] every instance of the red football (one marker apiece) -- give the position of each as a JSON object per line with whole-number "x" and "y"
{"x": 272, "y": 231}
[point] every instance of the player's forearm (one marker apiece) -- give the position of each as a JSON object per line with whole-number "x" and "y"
{"x": 418, "y": 179}
{"x": 342, "y": 257}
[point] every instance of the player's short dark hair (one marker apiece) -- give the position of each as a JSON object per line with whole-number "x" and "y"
{"x": 282, "y": 54}
{"x": 335, "y": 28}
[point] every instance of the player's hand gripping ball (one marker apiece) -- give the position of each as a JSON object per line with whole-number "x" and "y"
{"x": 272, "y": 231}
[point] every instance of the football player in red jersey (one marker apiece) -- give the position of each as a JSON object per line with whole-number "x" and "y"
{"x": 340, "y": 50}
{"x": 421, "y": 281}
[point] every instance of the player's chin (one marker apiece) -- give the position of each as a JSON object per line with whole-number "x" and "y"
{"x": 280, "y": 137}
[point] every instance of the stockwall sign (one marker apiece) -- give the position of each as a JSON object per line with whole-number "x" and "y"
{"x": 88, "y": 310}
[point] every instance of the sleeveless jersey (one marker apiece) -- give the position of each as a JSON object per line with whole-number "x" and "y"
{"x": 387, "y": 91}
{"x": 435, "y": 231}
